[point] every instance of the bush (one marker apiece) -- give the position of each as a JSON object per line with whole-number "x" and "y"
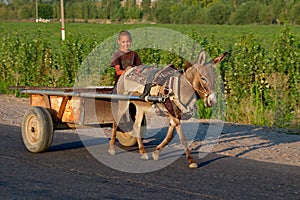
{"x": 263, "y": 87}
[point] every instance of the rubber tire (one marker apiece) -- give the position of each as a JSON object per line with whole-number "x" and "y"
{"x": 127, "y": 140}
{"x": 37, "y": 129}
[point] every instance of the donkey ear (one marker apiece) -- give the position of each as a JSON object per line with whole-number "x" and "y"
{"x": 202, "y": 57}
{"x": 219, "y": 58}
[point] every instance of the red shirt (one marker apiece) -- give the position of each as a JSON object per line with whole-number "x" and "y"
{"x": 125, "y": 59}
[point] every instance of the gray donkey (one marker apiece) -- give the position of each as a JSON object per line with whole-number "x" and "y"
{"x": 180, "y": 90}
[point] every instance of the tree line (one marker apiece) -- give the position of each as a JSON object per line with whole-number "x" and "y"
{"x": 234, "y": 12}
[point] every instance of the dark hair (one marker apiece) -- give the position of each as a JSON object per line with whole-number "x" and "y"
{"x": 124, "y": 33}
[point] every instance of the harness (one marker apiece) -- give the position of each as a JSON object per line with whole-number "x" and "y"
{"x": 166, "y": 80}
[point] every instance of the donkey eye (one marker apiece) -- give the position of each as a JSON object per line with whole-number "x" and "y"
{"x": 204, "y": 79}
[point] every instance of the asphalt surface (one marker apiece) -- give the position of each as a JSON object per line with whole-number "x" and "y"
{"x": 68, "y": 171}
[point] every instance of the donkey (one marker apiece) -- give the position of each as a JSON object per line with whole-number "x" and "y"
{"x": 196, "y": 81}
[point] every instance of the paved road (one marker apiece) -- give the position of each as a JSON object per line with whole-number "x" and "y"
{"x": 68, "y": 171}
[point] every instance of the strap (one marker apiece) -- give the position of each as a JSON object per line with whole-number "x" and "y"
{"x": 148, "y": 84}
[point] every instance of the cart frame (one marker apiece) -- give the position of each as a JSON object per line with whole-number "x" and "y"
{"x": 55, "y": 108}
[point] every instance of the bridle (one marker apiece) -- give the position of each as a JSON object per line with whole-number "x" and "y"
{"x": 204, "y": 92}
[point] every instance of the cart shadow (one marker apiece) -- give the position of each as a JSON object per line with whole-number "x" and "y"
{"x": 68, "y": 140}
{"x": 66, "y": 146}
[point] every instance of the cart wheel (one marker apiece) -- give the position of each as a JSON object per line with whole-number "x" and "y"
{"x": 127, "y": 140}
{"x": 37, "y": 129}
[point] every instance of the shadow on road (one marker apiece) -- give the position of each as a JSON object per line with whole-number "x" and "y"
{"x": 247, "y": 137}
{"x": 66, "y": 146}
{"x": 233, "y": 134}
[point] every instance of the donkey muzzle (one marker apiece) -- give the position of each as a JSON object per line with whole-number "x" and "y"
{"x": 211, "y": 100}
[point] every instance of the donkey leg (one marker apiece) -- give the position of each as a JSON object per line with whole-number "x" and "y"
{"x": 191, "y": 161}
{"x": 142, "y": 150}
{"x": 111, "y": 149}
{"x": 137, "y": 132}
{"x": 118, "y": 109}
{"x": 167, "y": 139}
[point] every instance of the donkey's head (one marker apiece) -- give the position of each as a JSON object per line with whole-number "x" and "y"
{"x": 202, "y": 76}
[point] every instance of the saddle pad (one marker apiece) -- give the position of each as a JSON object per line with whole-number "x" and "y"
{"x": 164, "y": 75}
{"x": 140, "y": 74}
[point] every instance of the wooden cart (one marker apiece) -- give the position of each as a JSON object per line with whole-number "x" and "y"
{"x": 64, "y": 108}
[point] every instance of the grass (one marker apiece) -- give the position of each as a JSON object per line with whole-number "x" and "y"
{"x": 226, "y": 35}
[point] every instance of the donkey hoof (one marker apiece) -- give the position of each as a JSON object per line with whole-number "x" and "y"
{"x": 155, "y": 155}
{"x": 145, "y": 156}
{"x": 111, "y": 152}
{"x": 193, "y": 165}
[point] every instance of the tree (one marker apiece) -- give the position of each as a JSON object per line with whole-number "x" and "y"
{"x": 205, "y": 3}
{"x": 110, "y": 9}
{"x": 218, "y": 13}
{"x": 191, "y": 2}
{"x": 247, "y": 13}
{"x": 45, "y": 11}
{"x": 295, "y": 16}
{"x": 3, "y": 12}
{"x": 276, "y": 7}
{"x": 162, "y": 11}
{"x": 146, "y": 8}
{"x": 27, "y": 11}
{"x": 265, "y": 16}
{"x": 184, "y": 14}
{"x": 132, "y": 12}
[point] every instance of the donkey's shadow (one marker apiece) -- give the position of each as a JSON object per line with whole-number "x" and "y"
{"x": 237, "y": 135}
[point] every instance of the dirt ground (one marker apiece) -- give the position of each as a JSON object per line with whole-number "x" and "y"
{"x": 245, "y": 141}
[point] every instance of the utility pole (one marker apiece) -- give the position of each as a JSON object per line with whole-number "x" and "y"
{"x": 36, "y": 11}
{"x": 62, "y": 20}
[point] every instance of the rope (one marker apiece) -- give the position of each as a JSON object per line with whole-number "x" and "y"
{"x": 206, "y": 94}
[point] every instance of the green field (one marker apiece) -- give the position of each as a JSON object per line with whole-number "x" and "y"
{"x": 261, "y": 73}
{"x": 226, "y": 35}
